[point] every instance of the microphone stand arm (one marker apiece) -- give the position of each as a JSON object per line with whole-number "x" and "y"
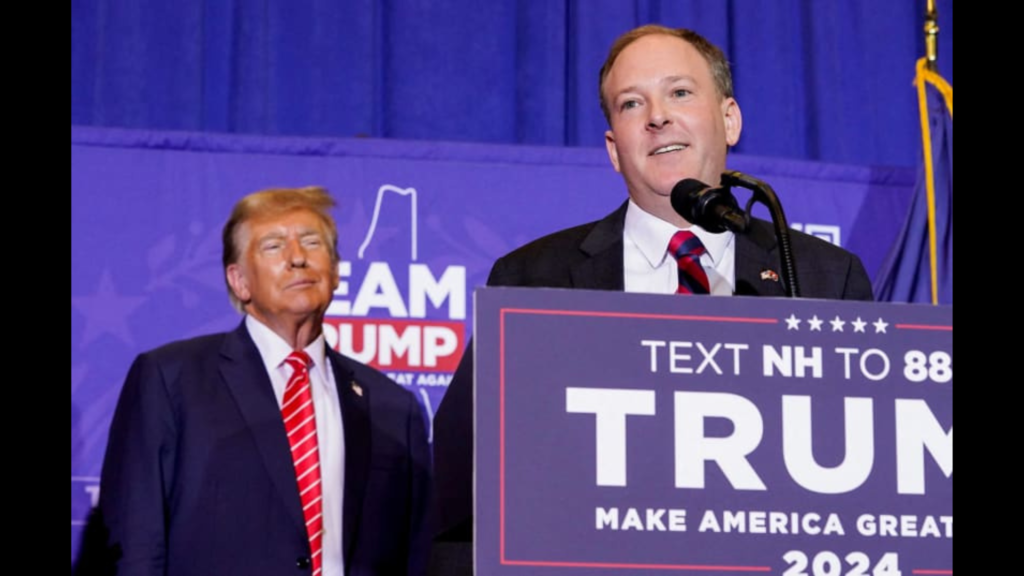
{"x": 764, "y": 194}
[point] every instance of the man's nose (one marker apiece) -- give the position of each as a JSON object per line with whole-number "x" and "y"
{"x": 656, "y": 119}
{"x": 296, "y": 254}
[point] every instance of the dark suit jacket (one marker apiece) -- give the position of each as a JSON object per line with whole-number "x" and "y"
{"x": 591, "y": 257}
{"x": 198, "y": 477}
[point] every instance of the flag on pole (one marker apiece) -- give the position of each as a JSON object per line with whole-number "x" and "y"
{"x": 919, "y": 267}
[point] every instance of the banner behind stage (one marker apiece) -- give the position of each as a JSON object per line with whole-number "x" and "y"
{"x": 419, "y": 226}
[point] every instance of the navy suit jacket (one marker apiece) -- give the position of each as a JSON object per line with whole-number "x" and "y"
{"x": 198, "y": 477}
{"x": 591, "y": 257}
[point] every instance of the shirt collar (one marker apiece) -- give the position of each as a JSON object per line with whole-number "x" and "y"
{"x": 652, "y": 235}
{"x": 274, "y": 350}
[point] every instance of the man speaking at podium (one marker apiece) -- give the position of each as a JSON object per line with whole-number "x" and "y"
{"x": 667, "y": 95}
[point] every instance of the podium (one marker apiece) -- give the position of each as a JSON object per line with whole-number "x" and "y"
{"x": 629, "y": 434}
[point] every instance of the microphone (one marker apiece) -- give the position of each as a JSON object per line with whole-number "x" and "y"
{"x": 764, "y": 194}
{"x": 713, "y": 209}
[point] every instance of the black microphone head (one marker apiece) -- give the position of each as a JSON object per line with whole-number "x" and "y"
{"x": 686, "y": 199}
{"x": 713, "y": 209}
{"x": 690, "y": 186}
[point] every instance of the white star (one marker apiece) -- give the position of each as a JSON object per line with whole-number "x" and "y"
{"x": 815, "y": 323}
{"x": 837, "y": 324}
{"x": 858, "y": 325}
{"x": 880, "y": 326}
{"x": 792, "y": 323}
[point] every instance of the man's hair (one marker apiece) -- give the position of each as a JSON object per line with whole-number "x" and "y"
{"x": 273, "y": 202}
{"x": 712, "y": 54}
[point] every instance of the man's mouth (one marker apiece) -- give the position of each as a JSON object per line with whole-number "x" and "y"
{"x": 669, "y": 148}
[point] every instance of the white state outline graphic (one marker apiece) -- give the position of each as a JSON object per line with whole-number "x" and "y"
{"x": 376, "y": 213}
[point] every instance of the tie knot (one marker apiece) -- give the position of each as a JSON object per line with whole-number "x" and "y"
{"x": 298, "y": 360}
{"x": 686, "y": 243}
{"x": 687, "y": 249}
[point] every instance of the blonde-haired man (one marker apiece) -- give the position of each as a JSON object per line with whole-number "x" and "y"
{"x": 262, "y": 450}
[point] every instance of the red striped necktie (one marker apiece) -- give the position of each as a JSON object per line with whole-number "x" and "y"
{"x": 300, "y": 424}
{"x": 687, "y": 249}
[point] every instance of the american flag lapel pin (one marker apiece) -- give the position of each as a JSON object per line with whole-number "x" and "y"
{"x": 357, "y": 388}
{"x": 767, "y": 274}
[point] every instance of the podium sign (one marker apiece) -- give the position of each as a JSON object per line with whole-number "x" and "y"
{"x": 624, "y": 433}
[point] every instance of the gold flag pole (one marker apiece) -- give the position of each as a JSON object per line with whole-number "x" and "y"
{"x": 931, "y": 36}
{"x": 927, "y": 73}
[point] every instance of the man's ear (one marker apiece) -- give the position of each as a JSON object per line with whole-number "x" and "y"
{"x": 613, "y": 151}
{"x": 733, "y": 120}
{"x": 238, "y": 282}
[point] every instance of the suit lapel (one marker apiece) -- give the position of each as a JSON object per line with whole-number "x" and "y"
{"x": 354, "y": 397}
{"x": 758, "y": 270}
{"x": 603, "y": 270}
{"x": 242, "y": 369}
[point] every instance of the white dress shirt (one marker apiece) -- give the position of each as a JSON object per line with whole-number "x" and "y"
{"x": 650, "y": 268}
{"x": 330, "y": 434}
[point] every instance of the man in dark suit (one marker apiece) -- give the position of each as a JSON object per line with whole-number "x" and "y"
{"x": 213, "y": 437}
{"x": 667, "y": 96}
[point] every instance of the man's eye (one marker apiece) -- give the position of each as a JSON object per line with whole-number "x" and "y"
{"x": 272, "y": 246}
{"x": 311, "y": 242}
{"x": 681, "y": 92}
{"x": 629, "y": 104}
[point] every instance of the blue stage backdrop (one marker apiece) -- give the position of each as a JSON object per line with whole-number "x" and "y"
{"x": 821, "y": 81}
{"x": 420, "y": 225}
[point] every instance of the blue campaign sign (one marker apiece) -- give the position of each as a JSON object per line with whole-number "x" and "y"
{"x": 634, "y": 432}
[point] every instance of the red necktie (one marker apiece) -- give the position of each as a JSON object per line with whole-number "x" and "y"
{"x": 300, "y": 424}
{"x": 686, "y": 248}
